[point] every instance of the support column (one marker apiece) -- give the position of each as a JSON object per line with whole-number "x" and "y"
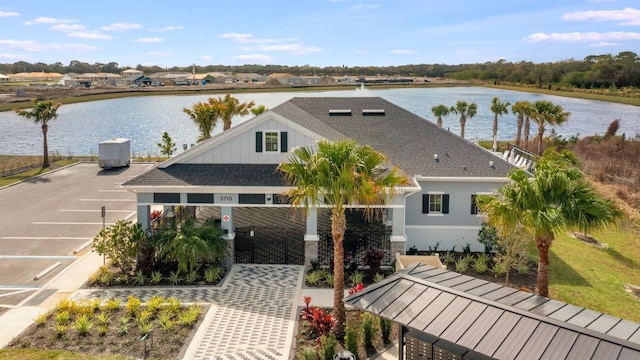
{"x": 144, "y": 211}
{"x": 311, "y": 238}
{"x": 226, "y": 224}
{"x": 398, "y": 237}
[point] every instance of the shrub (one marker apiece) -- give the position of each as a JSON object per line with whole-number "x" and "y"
{"x": 173, "y": 306}
{"x": 307, "y": 353}
{"x": 62, "y": 317}
{"x": 499, "y": 269}
{"x": 41, "y": 319}
{"x": 213, "y": 274}
{"x": 132, "y": 306}
{"x": 483, "y": 257}
{"x": 119, "y": 243}
{"x": 488, "y": 236}
{"x": 67, "y": 305}
{"x": 378, "y": 277}
{"x": 328, "y": 277}
{"x": 356, "y": 277}
{"x": 313, "y": 277}
{"x": 112, "y": 305}
{"x": 103, "y": 318}
{"x": 155, "y": 304}
{"x": 189, "y": 316}
{"x": 385, "y": 329}
{"x": 367, "y": 329}
{"x": 315, "y": 265}
{"x": 166, "y": 322}
{"x": 319, "y": 320}
{"x": 328, "y": 345}
{"x": 144, "y": 316}
{"x": 145, "y": 328}
{"x": 448, "y": 258}
{"x": 192, "y": 277}
{"x": 480, "y": 266}
{"x": 139, "y": 278}
{"x": 461, "y": 266}
{"x": 103, "y": 330}
{"x": 174, "y": 278}
{"x": 522, "y": 267}
{"x": 83, "y": 325}
{"x": 156, "y": 277}
{"x": 351, "y": 337}
{"x": 123, "y": 327}
{"x": 60, "y": 329}
{"x": 373, "y": 259}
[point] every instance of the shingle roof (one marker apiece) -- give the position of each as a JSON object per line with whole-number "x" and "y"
{"x": 210, "y": 175}
{"x": 407, "y": 139}
{"x": 495, "y": 320}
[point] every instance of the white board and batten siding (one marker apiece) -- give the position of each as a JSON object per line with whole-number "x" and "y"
{"x": 241, "y": 149}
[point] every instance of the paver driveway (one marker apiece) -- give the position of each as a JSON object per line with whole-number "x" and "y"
{"x": 252, "y": 315}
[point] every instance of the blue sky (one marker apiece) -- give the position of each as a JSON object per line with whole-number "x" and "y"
{"x": 314, "y": 32}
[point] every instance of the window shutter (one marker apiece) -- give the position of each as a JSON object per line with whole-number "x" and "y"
{"x": 474, "y": 207}
{"x": 283, "y": 142}
{"x": 445, "y": 203}
{"x": 425, "y": 203}
{"x": 258, "y": 141}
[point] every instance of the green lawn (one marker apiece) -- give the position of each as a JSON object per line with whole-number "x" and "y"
{"x": 34, "y": 172}
{"x": 594, "y": 278}
{"x": 40, "y": 354}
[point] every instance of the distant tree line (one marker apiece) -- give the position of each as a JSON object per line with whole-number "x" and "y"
{"x": 593, "y": 72}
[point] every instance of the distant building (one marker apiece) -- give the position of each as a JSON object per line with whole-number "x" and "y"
{"x": 37, "y": 76}
{"x": 4, "y": 79}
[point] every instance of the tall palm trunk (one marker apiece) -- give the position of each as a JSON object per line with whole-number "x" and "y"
{"x": 519, "y": 131}
{"x": 540, "y": 136}
{"x": 463, "y": 122}
{"x": 338, "y": 228}
{"x": 227, "y": 125}
{"x": 439, "y": 121}
{"x": 543, "y": 243}
{"x": 45, "y": 147}
{"x": 495, "y": 133}
{"x": 527, "y": 131}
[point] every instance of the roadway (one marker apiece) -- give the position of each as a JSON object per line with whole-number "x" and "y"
{"x": 48, "y": 222}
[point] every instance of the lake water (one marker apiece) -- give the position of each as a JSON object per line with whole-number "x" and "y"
{"x": 80, "y": 127}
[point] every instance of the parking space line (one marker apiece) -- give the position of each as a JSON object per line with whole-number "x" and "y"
{"x": 130, "y": 200}
{"x": 43, "y": 238}
{"x": 114, "y": 190}
{"x": 98, "y": 210}
{"x": 17, "y": 292}
{"x": 19, "y": 287}
{"x": 37, "y": 257}
{"x": 68, "y": 223}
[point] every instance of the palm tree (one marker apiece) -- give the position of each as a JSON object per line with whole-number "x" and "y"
{"x": 465, "y": 110}
{"x": 339, "y": 174}
{"x": 522, "y": 109}
{"x": 189, "y": 243}
{"x": 259, "y": 110}
{"x": 557, "y": 198}
{"x": 205, "y": 116}
{"x": 497, "y": 108}
{"x": 229, "y": 107}
{"x": 439, "y": 111}
{"x": 547, "y": 113}
{"x": 42, "y": 112}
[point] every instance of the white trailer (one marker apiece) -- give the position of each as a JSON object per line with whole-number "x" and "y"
{"x": 114, "y": 153}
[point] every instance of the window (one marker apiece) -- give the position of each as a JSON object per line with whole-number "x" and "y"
{"x": 435, "y": 203}
{"x": 270, "y": 141}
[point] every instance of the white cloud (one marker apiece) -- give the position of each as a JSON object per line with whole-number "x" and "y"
{"x": 605, "y": 44}
{"x": 32, "y": 46}
{"x": 48, "y": 20}
{"x": 627, "y": 16}
{"x": 8, "y": 13}
{"x": 168, "y": 28}
{"x": 93, "y": 35}
{"x": 582, "y": 37}
{"x": 10, "y": 56}
{"x": 249, "y": 39}
{"x": 206, "y": 57}
{"x": 402, "y": 51}
{"x": 121, "y": 27}
{"x": 290, "y": 48}
{"x": 149, "y": 40}
{"x": 254, "y": 57}
{"x": 236, "y": 36}
{"x": 364, "y": 7}
{"x": 67, "y": 27}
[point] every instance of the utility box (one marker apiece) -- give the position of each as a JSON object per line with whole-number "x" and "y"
{"x": 114, "y": 153}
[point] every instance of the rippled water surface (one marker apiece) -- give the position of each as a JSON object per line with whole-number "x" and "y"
{"x": 80, "y": 127}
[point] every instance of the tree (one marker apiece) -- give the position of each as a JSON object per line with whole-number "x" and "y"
{"x": 120, "y": 243}
{"x": 497, "y": 108}
{"x": 229, "y": 107}
{"x": 465, "y": 110}
{"x": 556, "y": 198}
{"x": 42, "y": 112}
{"x": 190, "y": 243}
{"x": 259, "y": 110}
{"x": 522, "y": 109}
{"x": 546, "y": 113}
{"x": 167, "y": 146}
{"x": 205, "y": 116}
{"x": 339, "y": 174}
{"x": 439, "y": 111}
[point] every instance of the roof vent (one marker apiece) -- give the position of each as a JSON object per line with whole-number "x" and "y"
{"x": 340, "y": 112}
{"x": 373, "y": 112}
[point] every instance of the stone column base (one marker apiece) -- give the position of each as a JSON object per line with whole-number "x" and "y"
{"x": 398, "y": 245}
{"x": 310, "y": 249}
{"x": 230, "y": 259}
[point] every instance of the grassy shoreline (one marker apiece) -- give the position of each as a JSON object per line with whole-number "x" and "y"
{"x": 122, "y": 93}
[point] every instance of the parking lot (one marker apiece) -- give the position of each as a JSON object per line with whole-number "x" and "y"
{"x": 48, "y": 223}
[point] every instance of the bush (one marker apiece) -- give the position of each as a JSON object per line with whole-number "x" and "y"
{"x": 448, "y": 258}
{"x": 313, "y": 277}
{"x": 307, "y": 353}
{"x": 132, "y": 306}
{"x": 385, "y": 329}
{"x": 499, "y": 269}
{"x": 367, "y": 329}
{"x": 352, "y": 336}
{"x": 119, "y": 243}
{"x": 328, "y": 345}
{"x": 462, "y": 266}
{"x": 356, "y": 278}
{"x": 373, "y": 259}
{"x": 319, "y": 320}
{"x": 213, "y": 274}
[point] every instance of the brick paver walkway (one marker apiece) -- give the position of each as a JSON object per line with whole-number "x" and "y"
{"x": 252, "y": 315}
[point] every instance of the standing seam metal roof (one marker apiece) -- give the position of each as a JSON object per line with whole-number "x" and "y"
{"x": 497, "y": 321}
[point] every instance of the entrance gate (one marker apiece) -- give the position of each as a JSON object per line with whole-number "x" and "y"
{"x": 269, "y": 245}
